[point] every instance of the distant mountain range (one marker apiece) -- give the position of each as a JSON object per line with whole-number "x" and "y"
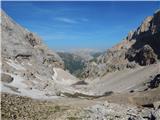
{"x": 76, "y": 61}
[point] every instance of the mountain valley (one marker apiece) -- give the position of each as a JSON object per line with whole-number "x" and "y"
{"x": 122, "y": 83}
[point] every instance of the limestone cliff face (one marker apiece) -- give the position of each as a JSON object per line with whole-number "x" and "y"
{"x": 26, "y": 60}
{"x": 20, "y": 44}
{"x": 147, "y": 40}
{"x": 140, "y": 47}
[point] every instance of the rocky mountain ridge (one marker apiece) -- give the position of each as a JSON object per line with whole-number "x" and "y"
{"x": 27, "y": 45}
{"x": 140, "y": 47}
{"x": 29, "y": 67}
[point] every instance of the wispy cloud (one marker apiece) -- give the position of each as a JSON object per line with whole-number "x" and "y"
{"x": 70, "y": 20}
{"x": 67, "y": 20}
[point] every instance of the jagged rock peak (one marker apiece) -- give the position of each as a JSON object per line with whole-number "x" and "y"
{"x": 140, "y": 47}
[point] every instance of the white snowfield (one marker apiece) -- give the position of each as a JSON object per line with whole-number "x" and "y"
{"x": 59, "y": 81}
{"x": 63, "y": 77}
{"x": 18, "y": 86}
{"x": 42, "y": 87}
{"x": 15, "y": 65}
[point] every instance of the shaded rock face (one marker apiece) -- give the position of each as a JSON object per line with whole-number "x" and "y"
{"x": 148, "y": 34}
{"x": 144, "y": 42}
{"x": 155, "y": 82}
{"x": 144, "y": 56}
{"x": 147, "y": 56}
{"x": 140, "y": 47}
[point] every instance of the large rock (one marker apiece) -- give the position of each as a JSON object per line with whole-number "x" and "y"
{"x": 6, "y": 78}
{"x": 155, "y": 82}
{"x": 146, "y": 56}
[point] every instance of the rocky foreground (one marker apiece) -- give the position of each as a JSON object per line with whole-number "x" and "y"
{"x": 18, "y": 107}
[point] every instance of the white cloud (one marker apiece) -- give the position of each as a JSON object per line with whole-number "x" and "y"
{"x": 66, "y": 20}
{"x": 71, "y": 21}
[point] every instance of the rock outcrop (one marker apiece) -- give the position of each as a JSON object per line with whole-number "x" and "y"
{"x": 140, "y": 47}
{"x": 155, "y": 82}
{"x": 144, "y": 56}
{"x": 147, "y": 36}
{"x": 20, "y": 44}
{"x": 6, "y": 78}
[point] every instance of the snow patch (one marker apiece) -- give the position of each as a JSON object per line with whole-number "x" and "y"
{"x": 62, "y": 77}
{"x": 23, "y": 89}
{"x": 18, "y": 82}
{"x": 14, "y": 65}
{"x": 54, "y": 77}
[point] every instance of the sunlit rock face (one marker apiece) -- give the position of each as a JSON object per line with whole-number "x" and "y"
{"x": 140, "y": 47}
{"x": 27, "y": 64}
{"x": 20, "y": 44}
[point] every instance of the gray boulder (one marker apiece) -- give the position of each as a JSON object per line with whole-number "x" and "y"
{"x": 6, "y": 78}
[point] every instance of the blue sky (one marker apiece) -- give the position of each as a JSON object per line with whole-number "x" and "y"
{"x": 70, "y": 25}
